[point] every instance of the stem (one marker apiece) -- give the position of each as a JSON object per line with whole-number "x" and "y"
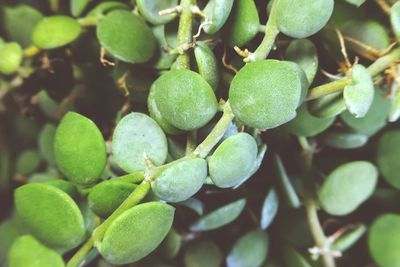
{"x": 321, "y": 241}
{"x": 191, "y": 142}
{"x": 136, "y": 177}
{"x": 216, "y": 134}
{"x": 374, "y": 69}
{"x": 271, "y": 32}
{"x": 31, "y": 51}
{"x": 185, "y": 32}
{"x": 89, "y": 21}
{"x": 133, "y": 199}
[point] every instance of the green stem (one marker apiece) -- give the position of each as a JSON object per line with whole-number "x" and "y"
{"x": 271, "y": 32}
{"x": 321, "y": 241}
{"x": 217, "y": 133}
{"x": 136, "y": 177}
{"x": 133, "y": 199}
{"x": 185, "y": 32}
{"x": 191, "y": 142}
{"x": 89, "y": 21}
{"x": 374, "y": 69}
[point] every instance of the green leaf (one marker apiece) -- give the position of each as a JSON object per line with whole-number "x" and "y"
{"x": 269, "y": 209}
{"x": 207, "y": 64}
{"x": 250, "y": 250}
{"x": 46, "y": 141}
{"x": 347, "y": 187}
{"x": 358, "y": 95}
{"x": 374, "y": 120}
{"x": 17, "y": 29}
{"x": 28, "y": 162}
{"x": 347, "y": 240}
{"x": 383, "y": 240}
{"x": 79, "y": 149}
{"x": 138, "y": 136}
{"x": 344, "y": 140}
{"x": 181, "y": 180}
{"x": 260, "y": 108}
{"x": 293, "y": 258}
{"x": 306, "y": 124}
{"x": 193, "y": 204}
{"x": 26, "y": 249}
{"x": 394, "y": 114}
{"x": 146, "y": 224}
{"x": 395, "y": 19}
{"x": 387, "y": 157}
{"x": 107, "y": 196}
{"x": 78, "y": 6}
{"x": 328, "y": 106}
{"x": 10, "y": 58}
{"x": 217, "y": 11}
{"x": 302, "y": 18}
{"x": 126, "y": 37}
{"x": 203, "y": 253}
{"x": 105, "y": 7}
{"x": 356, "y": 3}
{"x": 219, "y": 217}
{"x": 304, "y": 53}
{"x": 171, "y": 245}
{"x": 149, "y": 10}
{"x": 233, "y": 160}
{"x": 10, "y": 229}
{"x": 55, "y": 31}
{"x": 287, "y": 188}
{"x": 185, "y": 99}
{"x": 243, "y": 23}
{"x": 65, "y": 186}
{"x": 50, "y": 214}
{"x": 369, "y": 32}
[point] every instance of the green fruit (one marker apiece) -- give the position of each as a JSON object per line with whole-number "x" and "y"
{"x": 10, "y": 57}
{"x": 107, "y": 196}
{"x": 50, "y": 214}
{"x": 138, "y": 136}
{"x": 126, "y": 37}
{"x": 207, "y": 64}
{"x": 347, "y": 187}
{"x": 181, "y": 180}
{"x": 79, "y": 149}
{"x": 302, "y": 18}
{"x": 147, "y": 224}
{"x": 26, "y": 249}
{"x": 185, "y": 99}
{"x": 233, "y": 160}
{"x": 266, "y": 93}
{"x": 55, "y": 31}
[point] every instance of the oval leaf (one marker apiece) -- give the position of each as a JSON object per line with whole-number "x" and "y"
{"x": 147, "y": 224}
{"x": 136, "y": 137}
{"x": 79, "y": 149}
{"x": 347, "y": 187}
{"x": 219, "y": 217}
{"x": 50, "y": 214}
